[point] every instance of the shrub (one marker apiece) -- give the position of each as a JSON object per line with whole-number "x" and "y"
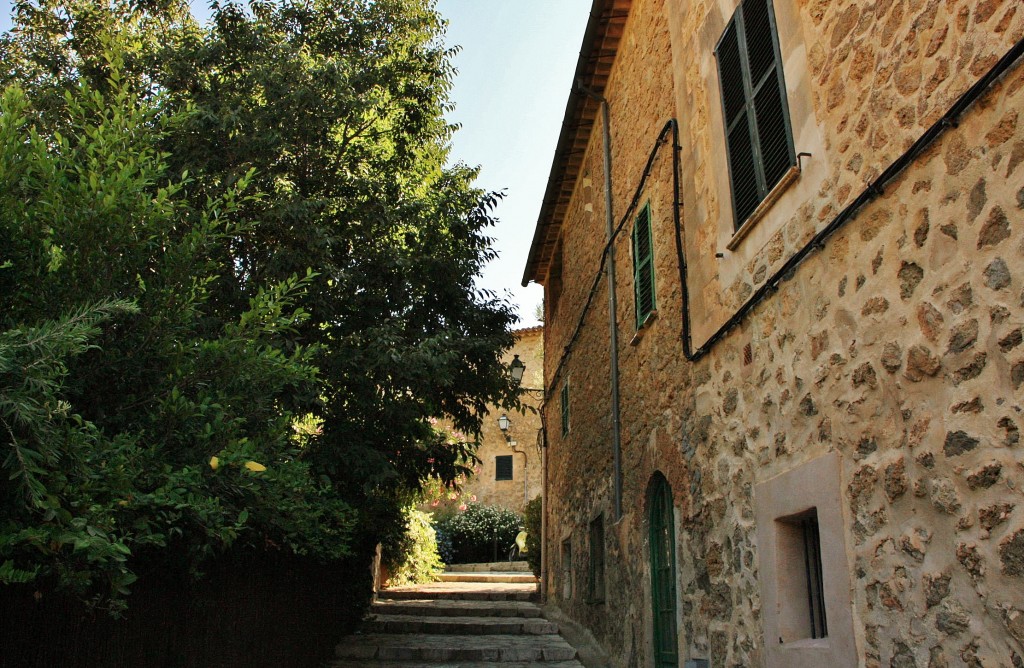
{"x": 415, "y": 559}
{"x": 533, "y": 527}
{"x": 480, "y": 533}
{"x": 444, "y": 546}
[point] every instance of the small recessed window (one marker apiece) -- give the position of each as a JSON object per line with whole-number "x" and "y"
{"x": 596, "y": 573}
{"x": 565, "y": 408}
{"x": 503, "y": 467}
{"x": 802, "y": 594}
{"x": 567, "y": 569}
{"x": 643, "y": 266}
{"x": 806, "y": 593}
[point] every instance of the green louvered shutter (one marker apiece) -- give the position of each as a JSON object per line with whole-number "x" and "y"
{"x": 661, "y": 523}
{"x": 759, "y": 138}
{"x": 503, "y": 467}
{"x": 643, "y": 266}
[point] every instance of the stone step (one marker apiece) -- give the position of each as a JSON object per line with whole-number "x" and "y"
{"x": 441, "y": 648}
{"x": 458, "y": 625}
{"x": 498, "y": 566}
{"x": 505, "y": 576}
{"x": 377, "y": 663}
{"x": 463, "y": 591}
{"x": 456, "y": 595}
{"x": 442, "y": 608}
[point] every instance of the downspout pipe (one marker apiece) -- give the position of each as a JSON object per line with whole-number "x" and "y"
{"x": 613, "y": 328}
{"x": 543, "y": 507}
{"x": 526, "y": 466}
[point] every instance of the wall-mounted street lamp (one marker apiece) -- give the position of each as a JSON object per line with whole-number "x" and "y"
{"x": 504, "y": 422}
{"x": 517, "y": 368}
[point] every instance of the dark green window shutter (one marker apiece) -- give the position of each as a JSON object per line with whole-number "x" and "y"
{"x": 759, "y": 139}
{"x": 503, "y": 467}
{"x": 643, "y": 266}
{"x": 565, "y": 408}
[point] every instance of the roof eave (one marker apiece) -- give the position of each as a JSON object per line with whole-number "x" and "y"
{"x": 591, "y": 65}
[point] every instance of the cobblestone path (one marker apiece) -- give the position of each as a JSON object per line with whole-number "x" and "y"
{"x": 470, "y": 620}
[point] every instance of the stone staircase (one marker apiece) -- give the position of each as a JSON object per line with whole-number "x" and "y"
{"x": 475, "y": 616}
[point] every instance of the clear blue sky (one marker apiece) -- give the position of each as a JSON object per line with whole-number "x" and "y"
{"x": 515, "y": 73}
{"x": 514, "y": 76}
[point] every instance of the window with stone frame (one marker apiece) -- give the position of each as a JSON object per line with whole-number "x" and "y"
{"x": 643, "y": 267}
{"x": 803, "y": 566}
{"x": 595, "y": 579}
{"x": 759, "y": 136}
{"x": 503, "y": 467}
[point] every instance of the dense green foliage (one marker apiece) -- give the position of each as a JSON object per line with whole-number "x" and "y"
{"x": 415, "y": 558}
{"x": 236, "y": 282}
{"x": 532, "y": 524}
{"x": 481, "y": 533}
{"x": 113, "y": 410}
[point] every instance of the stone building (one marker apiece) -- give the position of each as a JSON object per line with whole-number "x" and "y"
{"x": 795, "y": 440}
{"x": 510, "y": 467}
{"x": 510, "y": 460}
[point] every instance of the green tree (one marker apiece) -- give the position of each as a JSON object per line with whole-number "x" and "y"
{"x": 339, "y": 109}
{"x": 111, "y": 430}
{"x": 270, "y": 192}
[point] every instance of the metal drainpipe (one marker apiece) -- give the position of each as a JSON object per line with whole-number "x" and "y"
{"x": 544, "y": 526}
{"x": 612, "y": 304}
{"x": 543, "y": 442}
{"x": 526, "y": 466}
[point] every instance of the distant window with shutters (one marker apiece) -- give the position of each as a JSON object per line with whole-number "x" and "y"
{"x": 759, "y": 137}
{"x": 503, "y": 467}
{"x": 565, "y": 408}
{"x": 643, "y": 266}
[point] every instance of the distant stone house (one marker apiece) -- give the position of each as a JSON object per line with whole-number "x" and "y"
{"x": 795, "y": 442}
{"x": 510, "y": 460}
{"x": 509, "y": 471}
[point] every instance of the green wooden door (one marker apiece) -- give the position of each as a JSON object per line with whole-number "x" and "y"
{"x": 663, "y": 574}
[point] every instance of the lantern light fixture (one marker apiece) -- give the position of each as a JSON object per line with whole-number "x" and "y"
{"x": 517, "y": 368}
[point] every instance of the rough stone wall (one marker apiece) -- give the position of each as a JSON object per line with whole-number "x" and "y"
{"x": 653, "y": 375}
{"x": 898, "y": 345}
{"x": 526, "y": 480}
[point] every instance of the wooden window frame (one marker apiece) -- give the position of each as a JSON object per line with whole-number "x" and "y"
{"x": 801, "y": 537}
{"x": 763, "y": 185}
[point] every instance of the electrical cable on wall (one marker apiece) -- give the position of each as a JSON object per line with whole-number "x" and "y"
{"x": 876, "y": 188}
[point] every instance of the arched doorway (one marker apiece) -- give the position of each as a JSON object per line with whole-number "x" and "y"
{"x": 661, "y": 521}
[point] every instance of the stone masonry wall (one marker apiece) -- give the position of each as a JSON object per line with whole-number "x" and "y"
{"x": 526, "y": 480}
{"x": 654, "y": 385}
{"x": 898, "y": 345}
